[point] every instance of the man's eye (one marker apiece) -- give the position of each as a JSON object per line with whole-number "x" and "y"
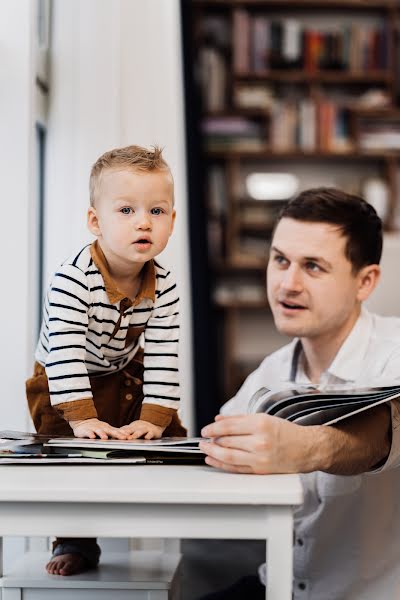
{"x": 126, "y": 210}
{"x": 156, "y": 211}
{"x": 312, "y": 266}
{"x": 281, "y": 260}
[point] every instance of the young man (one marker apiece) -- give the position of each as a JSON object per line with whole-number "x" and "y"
{"x": 92, "y": 375}
{"x": 324, "y": 264}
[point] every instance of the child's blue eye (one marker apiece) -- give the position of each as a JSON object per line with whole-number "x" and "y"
{"x": 156, "y": 211}
{"x": 126, "y": 210}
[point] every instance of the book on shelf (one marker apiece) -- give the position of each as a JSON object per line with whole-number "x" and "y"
{"x": 211, "y": 71}
{"x": 261, "y": 44}
{"x": 309, "y": 405}
{"x": 227, "y": 133}
{"x": 29, "y": 448}
{"x": 213, "y": 78}
{"x": 380, "y": 133}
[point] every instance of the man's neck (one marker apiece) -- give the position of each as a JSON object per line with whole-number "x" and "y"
{"x": 320, "y": 352}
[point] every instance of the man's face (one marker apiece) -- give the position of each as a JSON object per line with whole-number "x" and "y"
{"x": 311, "y": 288}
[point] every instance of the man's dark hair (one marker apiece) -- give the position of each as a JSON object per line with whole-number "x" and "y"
{"x": 356, "y": 219}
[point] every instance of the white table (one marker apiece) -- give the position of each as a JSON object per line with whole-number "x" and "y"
{"x": 154, "y": 502}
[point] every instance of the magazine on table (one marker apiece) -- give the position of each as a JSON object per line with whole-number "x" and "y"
{"x": 310, "y": 405}
{"x": 30, "y": 448}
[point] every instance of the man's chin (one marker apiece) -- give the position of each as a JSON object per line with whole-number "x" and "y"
{"x": 290, "y": 328}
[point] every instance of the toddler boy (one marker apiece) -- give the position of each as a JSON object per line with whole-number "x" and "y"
{"x": 107, "y": 356}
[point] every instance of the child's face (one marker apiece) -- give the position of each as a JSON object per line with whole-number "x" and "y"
{"x": 133, "y": 216}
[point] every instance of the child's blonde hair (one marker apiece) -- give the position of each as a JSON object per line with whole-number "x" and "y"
{"x": 136, "y": 158}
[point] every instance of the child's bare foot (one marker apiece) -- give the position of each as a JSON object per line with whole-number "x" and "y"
{"x": 67, "y": 564}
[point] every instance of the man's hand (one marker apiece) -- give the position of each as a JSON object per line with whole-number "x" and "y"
{"x": 259, "y": 444}
{"x": 139, "y": 429}
{"x": 93, "y": 428}
{"x": 265, "y": 444}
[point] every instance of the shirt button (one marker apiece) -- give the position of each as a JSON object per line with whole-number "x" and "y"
{"x": 300, "y": 542}
{"x": 302, "y": 585}
{"x": 128, "y": 382}
{"x": 129, "y": 396}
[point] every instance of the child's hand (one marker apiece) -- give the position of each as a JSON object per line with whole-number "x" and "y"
{"x": 92, "y": 428}
{"x": 138, "y": 429}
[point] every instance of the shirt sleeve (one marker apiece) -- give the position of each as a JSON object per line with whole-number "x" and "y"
{"x": 391, "y": 376}
{"x": 67, "y": 323}
{"x": 161, "y": 341}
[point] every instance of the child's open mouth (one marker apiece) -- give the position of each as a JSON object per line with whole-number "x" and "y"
{"x": 142, "y": 243}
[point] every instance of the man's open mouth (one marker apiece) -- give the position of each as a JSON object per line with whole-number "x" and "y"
{"x": 291, "y": 305}
{"x": 142, "y": 241}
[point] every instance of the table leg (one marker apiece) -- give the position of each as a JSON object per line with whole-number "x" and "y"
{"x": 1, "y": 565}
{"x": 280, "y": 554}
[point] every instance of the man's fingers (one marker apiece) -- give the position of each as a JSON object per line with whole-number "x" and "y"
{"x": 236, "y": 442}
{"x": 213, "y": 462}
{"x": 225, "y": 455}
{"x": 236, "y": 425}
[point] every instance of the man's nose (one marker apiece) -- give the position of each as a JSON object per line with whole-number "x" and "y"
{"x": 292, "y": 279}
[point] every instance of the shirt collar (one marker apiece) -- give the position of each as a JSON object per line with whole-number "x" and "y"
{"x": 347, "y": 364}
{"x": 147, "y": 286}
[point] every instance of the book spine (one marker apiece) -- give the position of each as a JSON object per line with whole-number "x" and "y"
{"x": 241, "y": 41}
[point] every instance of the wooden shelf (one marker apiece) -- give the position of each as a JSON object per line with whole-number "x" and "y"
{"x": 337, "y": 120}
{"x": 238, "y": 304}
{"x": 301, "y": 76}
{"x": 232, "y": 266}
{"x": 374, "y": 5}
{"x": 298, "y": 155}
{"x": 256, "y": 226}
{"x": 238, "y": 112}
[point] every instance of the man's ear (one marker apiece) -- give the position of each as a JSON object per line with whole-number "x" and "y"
{"x": 368, "y": 278}
{"x": 93, "y": 221}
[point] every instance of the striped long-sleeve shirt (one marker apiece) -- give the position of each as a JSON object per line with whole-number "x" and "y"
{"x": 91, "y": 328}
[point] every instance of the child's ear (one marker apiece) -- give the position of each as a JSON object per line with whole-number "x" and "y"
{"x": 172, "y": 221}
{"x": 93, "y": 221}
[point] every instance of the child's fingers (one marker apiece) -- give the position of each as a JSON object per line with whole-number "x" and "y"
{"x": 138, "y": 433}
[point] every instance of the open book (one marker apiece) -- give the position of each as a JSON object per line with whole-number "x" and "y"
{"x": 308, "y": 405}
{"x": 29, "y": 448}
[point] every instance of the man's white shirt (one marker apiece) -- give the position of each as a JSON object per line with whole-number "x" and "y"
{"x": 347, "y": 532}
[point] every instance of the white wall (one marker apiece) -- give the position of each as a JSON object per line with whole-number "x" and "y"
{"x": 385, "y": 300}
{"x": 116, "y": 80}
{"x": 17, "y": 227}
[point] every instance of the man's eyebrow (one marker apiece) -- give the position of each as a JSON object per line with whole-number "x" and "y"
{"x": 316, "y": 259}
{"x": 275, "y": 249}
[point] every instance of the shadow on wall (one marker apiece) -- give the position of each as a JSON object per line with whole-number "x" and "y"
{"x": 386, "y": 298}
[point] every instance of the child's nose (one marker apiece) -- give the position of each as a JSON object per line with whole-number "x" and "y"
{"x": 143, "y": 221}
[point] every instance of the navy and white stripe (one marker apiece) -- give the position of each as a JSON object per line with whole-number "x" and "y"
{"x": 76, "y": 335}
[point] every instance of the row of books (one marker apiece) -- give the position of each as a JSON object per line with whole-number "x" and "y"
{"x": 306, "y": 125}
{"x": 309, "y": 125}
{"x": 260, "y": 43}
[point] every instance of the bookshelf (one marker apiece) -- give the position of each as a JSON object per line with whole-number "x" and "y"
{"x": 298, "y": 89}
